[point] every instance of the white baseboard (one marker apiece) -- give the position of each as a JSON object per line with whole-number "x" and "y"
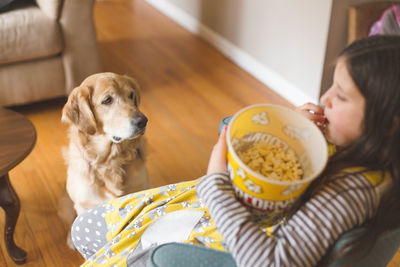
{"x": 261, "y": 72}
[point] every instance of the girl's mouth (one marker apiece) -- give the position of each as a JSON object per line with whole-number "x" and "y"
{"x": 322, "y": 123}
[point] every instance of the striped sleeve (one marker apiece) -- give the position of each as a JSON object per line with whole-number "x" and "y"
{"x": 341, "y": 205}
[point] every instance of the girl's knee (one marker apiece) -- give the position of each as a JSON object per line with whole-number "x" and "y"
{"x": 89, "y": 231}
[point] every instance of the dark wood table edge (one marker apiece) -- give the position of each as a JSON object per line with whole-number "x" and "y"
{"x": 10, "y": 202}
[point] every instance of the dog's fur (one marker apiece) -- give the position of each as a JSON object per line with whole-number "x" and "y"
{"x": 106, "y": 153}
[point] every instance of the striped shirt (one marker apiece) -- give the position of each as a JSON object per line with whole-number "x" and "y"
{"x": 344, "y": 203}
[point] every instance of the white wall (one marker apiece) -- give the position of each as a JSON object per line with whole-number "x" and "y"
{"x": 283, "y": 43}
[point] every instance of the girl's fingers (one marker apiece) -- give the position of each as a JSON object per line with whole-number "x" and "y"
{"x": 311, "y": 116}
{"x": 218, "y": 161}
{"x": 312, "y": 112}
{"x": 311, "y": 108}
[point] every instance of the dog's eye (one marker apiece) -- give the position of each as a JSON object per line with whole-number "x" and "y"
{"x": 107, "y": 101}
{"x": 131, "y": 95}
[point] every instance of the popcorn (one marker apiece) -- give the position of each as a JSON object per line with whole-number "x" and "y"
{"x": 270, "y": 160}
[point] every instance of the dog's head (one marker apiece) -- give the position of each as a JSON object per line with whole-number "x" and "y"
{"x": 106, "y": 103}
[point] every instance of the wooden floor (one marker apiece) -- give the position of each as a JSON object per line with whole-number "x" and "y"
{"x": 188, "y": 87}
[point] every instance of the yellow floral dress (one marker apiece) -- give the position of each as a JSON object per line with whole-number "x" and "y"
{"x": 129, "y": 218}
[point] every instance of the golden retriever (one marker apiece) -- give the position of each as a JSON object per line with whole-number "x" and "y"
{"x": 106, "y": 152}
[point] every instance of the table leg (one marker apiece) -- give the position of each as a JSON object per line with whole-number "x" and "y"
{"x": 10, "y": 203}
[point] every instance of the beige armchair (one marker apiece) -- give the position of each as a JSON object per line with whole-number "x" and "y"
{"x": 47, "y": 47}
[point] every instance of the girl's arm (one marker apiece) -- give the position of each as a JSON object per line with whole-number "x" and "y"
{"x": 340, "y": 206}
{"x": 346, "y": 202}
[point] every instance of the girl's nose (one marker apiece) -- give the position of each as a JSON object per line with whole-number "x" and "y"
{"x": 325, "y": 100}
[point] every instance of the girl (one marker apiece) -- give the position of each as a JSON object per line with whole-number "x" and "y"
{"x": 360, "y": 185}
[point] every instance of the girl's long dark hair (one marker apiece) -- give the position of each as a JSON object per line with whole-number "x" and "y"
{"x": 374, "y": 65}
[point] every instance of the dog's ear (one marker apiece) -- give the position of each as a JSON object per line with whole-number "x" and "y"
{"x": 134, "y": 84}
{"x": 78, "y": 110}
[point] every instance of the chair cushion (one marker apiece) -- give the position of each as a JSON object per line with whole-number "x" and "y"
{"x": 31, "y": 81}
{"x": 27, "y": 33}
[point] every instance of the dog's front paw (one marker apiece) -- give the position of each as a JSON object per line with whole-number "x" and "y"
{"x": 70, "y": 243}
{"x": 118, "y": 192}
{"x": 113, "y": 189}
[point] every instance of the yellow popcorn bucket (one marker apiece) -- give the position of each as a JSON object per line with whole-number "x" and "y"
{"x": 270, "y": 199}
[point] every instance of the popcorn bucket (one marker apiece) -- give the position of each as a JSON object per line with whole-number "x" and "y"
{"x": 270, "y": 199}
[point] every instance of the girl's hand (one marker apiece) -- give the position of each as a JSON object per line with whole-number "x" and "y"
{"x": 218, "y": 161}
{"x": 313, "y": 112}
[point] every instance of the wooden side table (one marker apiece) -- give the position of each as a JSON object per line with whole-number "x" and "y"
{"x": 17, "y": 139}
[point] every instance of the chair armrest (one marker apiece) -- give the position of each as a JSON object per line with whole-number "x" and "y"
{"x": 380, "y": 254}
{"x": 80, "y": 55}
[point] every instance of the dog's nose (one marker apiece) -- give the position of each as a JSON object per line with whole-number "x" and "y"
{"x": 140, "y": 121}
